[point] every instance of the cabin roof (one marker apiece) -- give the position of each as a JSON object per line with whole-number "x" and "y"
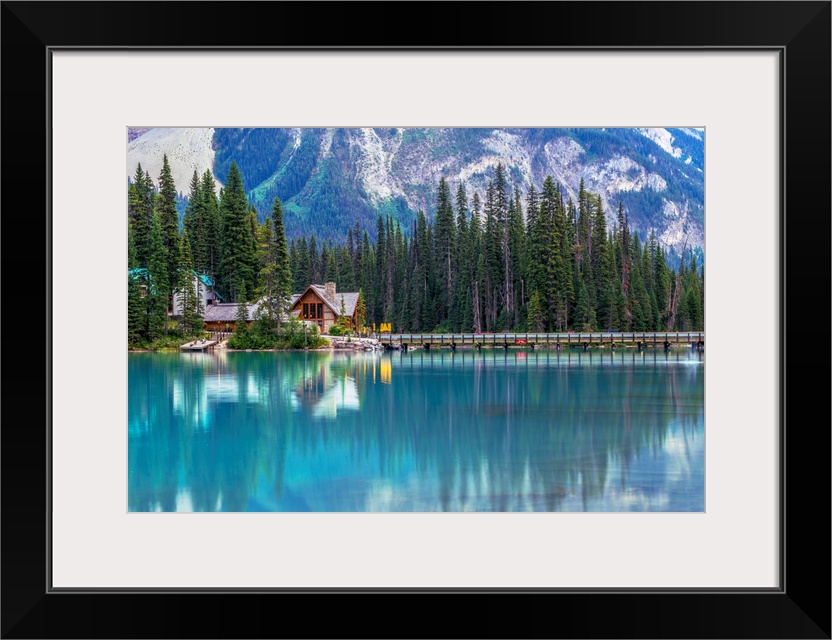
{"x": 227, "y": 311}
{"x": 350, "y": 298}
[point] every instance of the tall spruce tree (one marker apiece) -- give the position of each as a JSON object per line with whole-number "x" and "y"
{"x": 136, "y": 313}
{"x": 140, "y": 205}
{"x": 237, "y": 266}
{"x": 241, "y": 318}
{"x": 169, "y": 219}
{"x": 190, "y": 291}
{"x": 158, "y": 290}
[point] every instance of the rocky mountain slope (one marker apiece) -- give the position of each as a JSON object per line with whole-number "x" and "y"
{"x": 328, "y": 179}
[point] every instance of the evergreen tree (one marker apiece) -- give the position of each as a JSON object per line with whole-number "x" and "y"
{"x": 584, "y": 314}
{"x": 136, "y": 315}
{"x": 461, "y": 317}
{"x": 192, "y": 220}
{"x": 209, "y": 246}
{"x": 158, "y": 281}
{"x": 237, "y": 265}
{"x": 602, "y": 263}
{"x": 360, "y": 311}
{"x": 536, "y": 317}
{"x": 301, "y": 274}
{"x": 241, "y": 319}
{"x": 315, "y": 270}
{"x": 169, "y": 219}
{"x": 445, "y": 253}
{"x": 189, "y": 291}
{"x": 140, "y": 202}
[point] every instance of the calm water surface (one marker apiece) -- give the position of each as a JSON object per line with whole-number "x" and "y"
{"x": 418, "y": 431}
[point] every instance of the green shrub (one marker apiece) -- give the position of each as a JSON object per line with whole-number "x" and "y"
{"x": 336, "y": 330}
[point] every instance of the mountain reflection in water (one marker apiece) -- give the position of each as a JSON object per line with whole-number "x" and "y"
{"x": 418, "y": 431}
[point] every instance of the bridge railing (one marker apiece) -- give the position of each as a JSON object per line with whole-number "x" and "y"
{"x": 512, "y": 338}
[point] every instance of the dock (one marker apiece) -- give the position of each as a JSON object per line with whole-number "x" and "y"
{"x": 198, "y": 346}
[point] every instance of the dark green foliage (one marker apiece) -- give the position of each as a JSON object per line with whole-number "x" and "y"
{"x": 536, "y": 319}
{"x": 140, "y": 200}
{"x": 548, "y": 266}
{"x": 360, "y": 311}
{"x": 189, "y": 288}
{"x": 158, "y": 291}
{"x": 237, "y": 263}
{"x": 169, "y": 219}
{"x": 241, "y": 320}
{"x": 136, "y": 312}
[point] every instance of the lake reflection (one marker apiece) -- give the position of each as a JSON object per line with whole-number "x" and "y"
{"x": 418, "y": 431}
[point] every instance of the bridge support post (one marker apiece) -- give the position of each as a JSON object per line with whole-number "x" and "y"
{"x": 640, "y": 347}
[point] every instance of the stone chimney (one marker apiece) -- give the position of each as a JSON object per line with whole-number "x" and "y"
{"x": 329, "y": 291}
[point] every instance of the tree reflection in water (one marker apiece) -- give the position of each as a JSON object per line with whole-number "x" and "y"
{"x": 418, "y": 431}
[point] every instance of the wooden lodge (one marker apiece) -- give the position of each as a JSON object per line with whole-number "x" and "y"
{"x": 321, "y": 305}
{"x": 317, "y": 304}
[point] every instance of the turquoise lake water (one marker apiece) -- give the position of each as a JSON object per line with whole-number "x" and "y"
{"x": 419, "y": 431}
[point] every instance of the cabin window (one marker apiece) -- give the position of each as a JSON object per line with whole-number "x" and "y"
{"x": 305, "y": 310}
{"x": 312, "y": 310}
{"x": 320, "y": 310}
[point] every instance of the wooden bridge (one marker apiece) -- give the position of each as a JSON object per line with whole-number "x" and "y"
{"x": 615, "y": 339}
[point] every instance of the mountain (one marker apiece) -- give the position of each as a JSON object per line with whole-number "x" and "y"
{"x": 329, "y": 179}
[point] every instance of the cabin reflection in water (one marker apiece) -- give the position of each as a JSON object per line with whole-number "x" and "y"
{"x": 430, "y": 431}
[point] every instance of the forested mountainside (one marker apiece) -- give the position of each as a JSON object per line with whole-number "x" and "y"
{"x": 331, "y": 179}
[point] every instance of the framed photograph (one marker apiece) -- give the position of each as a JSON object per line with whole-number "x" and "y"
{"x": 528, "y": 385}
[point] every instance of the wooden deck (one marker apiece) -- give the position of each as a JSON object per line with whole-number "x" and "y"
{"x": 199, "y": 346}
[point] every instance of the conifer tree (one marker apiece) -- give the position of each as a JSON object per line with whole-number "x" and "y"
{"x": 536, "y": 317}
{"x": 360, "y": 311}
{"x": 189, "y": 289}
{"x": 158, "y": 281}
{"x": 209, "y": 246}
{"x": 192, "y": 220}
{"x": 169, "y": 219}
{"x": 445, "y": 253}
{"x": 140, "y": 201}
{"x": 241, "y": 319}
{"x": 136, "y": 314}
{"x": 238, "y": 256}
{"x": 302, "y": 276}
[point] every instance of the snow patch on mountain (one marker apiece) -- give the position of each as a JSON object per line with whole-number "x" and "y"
{"x": 187, "y": 150}
{"x": 326, "y": 143}
{"x": 374, "y": 164}
{"x": 616, "y": 175}
{"x": 656, "y": 182}
{"x": 693, "y": 133}
{"x": 664, "y": 139}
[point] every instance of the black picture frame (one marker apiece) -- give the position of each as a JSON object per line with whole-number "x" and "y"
{"x": 799, "y": 608}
